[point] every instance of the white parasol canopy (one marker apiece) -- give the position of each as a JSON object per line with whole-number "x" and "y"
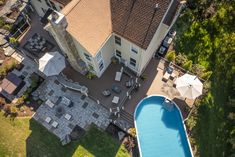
{"x": 189, "y": 86}
{"x": 52, "y": 63}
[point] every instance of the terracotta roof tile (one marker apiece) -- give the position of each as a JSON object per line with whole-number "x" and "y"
{"x": 92, "y": 21}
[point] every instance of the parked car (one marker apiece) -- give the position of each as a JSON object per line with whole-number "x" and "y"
{"x": 172, "y": 33}
{"x": 162, "y": 51}
{"x": 167, "y": 41}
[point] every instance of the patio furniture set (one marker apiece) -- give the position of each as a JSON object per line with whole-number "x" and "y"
{"x": 66, "y": 102}
{"x": 116, "y": 88}
{"x": 170, "y": 73}
{"x": 37, "y": 43}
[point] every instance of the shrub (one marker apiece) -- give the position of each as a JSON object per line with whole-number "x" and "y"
{"x": 206, "y": 75}
{"x": 13, "y": 41}
{"x": 7, "y": 108}
{"x": 180, "y": 59}
{"x": 188, "y": 65}
{"x": 198, "y": 69}
{"x": 20, "y": 100}
{"x": 171, "y": 56}
{"x": 7, "y": 27}
{"x": 2, "y": 101}
{"x": 2, "y": 22}
{"x": 132, "y": 132}
{"x": 90, "y": 75}
{"x": 14, "y": 109}
{"x": 22, "y": 108}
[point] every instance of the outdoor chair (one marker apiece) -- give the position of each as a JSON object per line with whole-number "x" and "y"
{"x": 49, "y": 103}
{"x": 118, "y": 76}
{"x": 129, "y": 83}
{"x": 106, "y": 93}
{"x": 166, "y": 76}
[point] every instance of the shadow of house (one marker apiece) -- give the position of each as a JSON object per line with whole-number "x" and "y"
{"x": 95, "y": 142}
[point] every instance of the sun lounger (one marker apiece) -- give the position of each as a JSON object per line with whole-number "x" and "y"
{"x": 67, "y": 116}
{"x": 49, "y": 103}
{"x": 115, "y": 99}
{"x": 48, "y": 120}
{"x": 118, "y": 76}
{"x": 55, "y": 124}
{"x": 166, "y": 76}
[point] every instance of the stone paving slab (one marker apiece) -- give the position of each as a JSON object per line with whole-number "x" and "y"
{"x": 83, "y": 117}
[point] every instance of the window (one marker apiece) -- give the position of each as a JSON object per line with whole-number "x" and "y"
{"x": 118, "y": 53}
{"x": 134, "y": 49}
{"x": 101, "y": 65}
{"x": 87, "y": 57}
{"x": 117, "y": 40}
{"x": 132, "y": 62}
{"x": 98, "y": 56}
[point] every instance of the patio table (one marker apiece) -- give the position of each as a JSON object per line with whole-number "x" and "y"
{"x": 116, "y": 89}
{"x": 48, "y": 120}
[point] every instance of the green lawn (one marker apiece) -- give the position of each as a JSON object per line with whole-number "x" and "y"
{"x": 25, "y": 137}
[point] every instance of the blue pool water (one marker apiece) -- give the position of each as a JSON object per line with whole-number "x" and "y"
{"x": 160, "y": 132}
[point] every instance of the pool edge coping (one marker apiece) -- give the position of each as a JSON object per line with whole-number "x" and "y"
{"x": 182, "y": 121}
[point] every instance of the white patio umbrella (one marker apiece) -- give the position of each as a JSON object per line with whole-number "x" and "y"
{"x": 189, "y": 86}
{"x": 52, "y": 63}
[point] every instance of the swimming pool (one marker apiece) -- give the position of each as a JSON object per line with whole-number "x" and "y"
{"x": 160, "y": 132}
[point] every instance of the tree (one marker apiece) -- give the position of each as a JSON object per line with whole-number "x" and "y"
{"x": 206, "y": 75}
{"x": 181, "y": 59}
{"x": 188, "y": 65}
{"x": 171, "y": 56}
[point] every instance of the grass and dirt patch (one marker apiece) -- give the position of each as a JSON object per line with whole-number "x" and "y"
{"x": 26, "y": 137}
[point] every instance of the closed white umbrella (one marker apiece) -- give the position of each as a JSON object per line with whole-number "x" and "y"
{"x": 51, "y": 63}
{"x": 189, "y": 86}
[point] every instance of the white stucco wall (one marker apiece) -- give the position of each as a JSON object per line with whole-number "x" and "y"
{"x": 125, "y": 49}
{"x": 153, "y": 46}
{"x": 107, "y": 52}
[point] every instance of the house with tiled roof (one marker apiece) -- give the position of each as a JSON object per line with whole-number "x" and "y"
{"x": 91, "y": 33}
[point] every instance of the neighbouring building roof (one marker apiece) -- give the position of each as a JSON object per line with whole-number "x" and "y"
{"x": 91, "y": 22}
{"x": 10, "y": 83}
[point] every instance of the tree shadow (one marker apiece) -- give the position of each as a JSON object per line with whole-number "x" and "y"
{"x": 95, "y": 142}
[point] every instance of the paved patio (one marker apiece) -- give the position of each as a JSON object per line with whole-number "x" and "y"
{"x": 83, "y": 113}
